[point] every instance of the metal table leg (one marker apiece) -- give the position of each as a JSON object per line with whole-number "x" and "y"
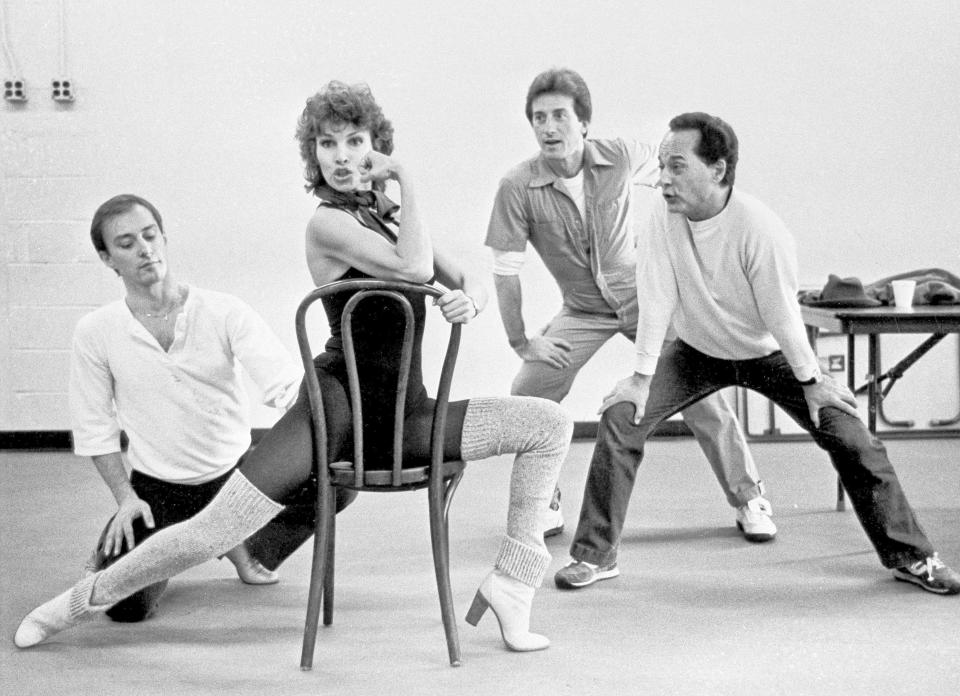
{"x": 940, "y": 422}
{"x": 851, "y": 385}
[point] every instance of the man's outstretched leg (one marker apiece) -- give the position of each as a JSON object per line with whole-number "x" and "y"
{"x": 606, "y": 497}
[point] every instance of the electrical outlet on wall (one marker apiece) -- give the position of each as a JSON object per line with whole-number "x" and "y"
{"x": 62, "y": 90}
{"x": 15, "y": 89}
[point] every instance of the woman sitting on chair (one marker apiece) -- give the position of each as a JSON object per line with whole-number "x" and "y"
{"x": 346, "y": 142}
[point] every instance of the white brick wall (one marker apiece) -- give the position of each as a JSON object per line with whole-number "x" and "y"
{"x": 50, "y": 274}
{"x": 193, "y": 105}
{"x": 50, "y": 329}
{"x": 56, "y": 242}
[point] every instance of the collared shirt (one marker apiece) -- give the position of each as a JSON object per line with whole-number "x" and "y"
{"x": 592, "y": 257}
{"x": 185, "y": 411}
{"x": 729, "y": 284}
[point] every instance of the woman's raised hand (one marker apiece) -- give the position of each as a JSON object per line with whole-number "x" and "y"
{"x": 376, "y": 166}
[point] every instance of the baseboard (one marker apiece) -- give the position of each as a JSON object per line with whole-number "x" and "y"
{"x": 587, "y": 430}
{"x": 62, "y": 440}
{"x": 40, "y": 440}
{"x": 57, "y": 440}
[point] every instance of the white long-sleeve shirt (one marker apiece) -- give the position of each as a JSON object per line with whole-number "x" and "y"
{"x": 185, "y": 411}
{"x": 728, "y": 283}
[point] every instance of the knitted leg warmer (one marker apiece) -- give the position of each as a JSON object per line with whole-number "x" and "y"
{"x": 526, "y": 564}
{"x": 539, "y": 431}
{"x": 63, "y": 611}
{"x": 237, "y": 511}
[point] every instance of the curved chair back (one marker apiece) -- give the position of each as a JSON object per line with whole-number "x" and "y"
{"x": 440, "y": 477}
{"x": 365, "y": 289}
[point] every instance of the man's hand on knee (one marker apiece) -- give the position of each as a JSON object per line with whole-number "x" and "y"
{"x": 120, "y": 529}
{"x": 828, "y": 392}
{"x": 635, "y": 390}
{"x": 555, "y": 352}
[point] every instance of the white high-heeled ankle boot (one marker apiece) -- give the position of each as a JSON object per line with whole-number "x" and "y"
{"x": 510, "y": 601}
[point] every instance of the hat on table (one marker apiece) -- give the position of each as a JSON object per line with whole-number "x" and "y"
{"x": 843, "y": 292}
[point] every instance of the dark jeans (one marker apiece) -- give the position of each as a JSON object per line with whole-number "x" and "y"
{"x": 172, "y": 503}
{"x": 684, "y": 376}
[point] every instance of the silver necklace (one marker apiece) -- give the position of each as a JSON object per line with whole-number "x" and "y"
{"x": 163, "y": 316}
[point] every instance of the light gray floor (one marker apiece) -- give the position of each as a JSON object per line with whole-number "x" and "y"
{"x": 696, "y": 611}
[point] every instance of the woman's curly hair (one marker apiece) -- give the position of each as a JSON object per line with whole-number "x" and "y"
{"x": 338, "y": 102}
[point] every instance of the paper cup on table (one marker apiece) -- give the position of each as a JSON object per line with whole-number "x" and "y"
{"x": 903, "y": 292}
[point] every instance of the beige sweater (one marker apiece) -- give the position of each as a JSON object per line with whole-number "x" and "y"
{"x": 728, "y": 283}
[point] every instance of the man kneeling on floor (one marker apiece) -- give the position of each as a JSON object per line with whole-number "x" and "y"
{"x": 162, "y": 364}
{"x": 723, "y": 266}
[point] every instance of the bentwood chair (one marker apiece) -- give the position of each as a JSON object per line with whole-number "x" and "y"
{"x": 439, "y": 477}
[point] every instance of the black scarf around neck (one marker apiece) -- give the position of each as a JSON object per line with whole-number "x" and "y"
{"x": 374, "y": 207}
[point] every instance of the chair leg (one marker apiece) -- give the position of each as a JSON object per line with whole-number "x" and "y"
{"x": 317, "y": 574}
{"x": 441, "y": 565}
{"x": 328, "y": 574}
{"x": 451, "y": 488}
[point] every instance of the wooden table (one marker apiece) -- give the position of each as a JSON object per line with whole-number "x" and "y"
{"x": 937, "y": 321}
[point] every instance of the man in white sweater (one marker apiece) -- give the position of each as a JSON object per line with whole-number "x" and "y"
{"x": 722, "y": 267}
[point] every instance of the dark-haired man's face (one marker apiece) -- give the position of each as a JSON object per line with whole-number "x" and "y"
{"x": 559, "y": 132}
{"x": 689, "y": 185}
{"x": 136, "y": 247}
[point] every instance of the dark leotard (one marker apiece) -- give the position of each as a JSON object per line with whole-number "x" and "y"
{"x": 377, "y": 331}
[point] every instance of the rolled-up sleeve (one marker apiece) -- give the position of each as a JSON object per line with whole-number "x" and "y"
{"x": 508, "y": 229}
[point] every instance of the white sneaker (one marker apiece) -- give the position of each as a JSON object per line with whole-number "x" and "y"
{"x": 753, "y": 519}
{"x": 551, "y": 519}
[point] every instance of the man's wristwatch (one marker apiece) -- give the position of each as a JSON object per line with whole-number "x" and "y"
{"x": 815, "y": 379}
